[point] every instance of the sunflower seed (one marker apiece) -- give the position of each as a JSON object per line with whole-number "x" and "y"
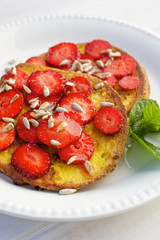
{"x": 87, "y": 68}
{"x": 50, "y": 122}
{"x": 7, "y": 87}
{"x": 114, "y": 54}
{"x": 108, "y": 63}
{"x": 55, "y": 143}
{"x": 104, "y": 75}
{"x": 34, "y": 122}
{"x": 76, "y": 66}
{"x": 85, "y": 60}
{"x": 46, "y": 116}
{"x": 95, "y": 70}
{"x": 67, "y": 191}
{"x": 13, "y": 61}
{"x": 77, "y": 107}
{"x": 61, "y": 126}
{"x": 14, "y": 98}
{"x": 44, "y": 105}
{"x": 2, "y": 87}
{"x": 27, "y": 89}
{"x": 46, "y": 91}
{"x": 34, "y": 104}
{"x": 61, "y": 109}
{"x": 98, "y": 85}
{"x": 8, "y": 120}
{"x": 106, "y": 104}
{"x": 26, "y": 123}
{"x": 100, "y": 63}
{"x": 11, "y": 81}
{"x": 33, "y": 100}
{"x": 70, "y": 84}
{"x": 64, "y": 62}
{"x": 13, "y": 70}
{"x": 72, "y": 159}
{"x": 106, "y": 50}
{"x": 88, "y": 167}
{"x": 33, "y": 114}
{"x": 8, "y": 127}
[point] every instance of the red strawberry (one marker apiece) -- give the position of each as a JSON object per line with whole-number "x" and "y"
{"x": 31, "y": 161}
{"x": 8, "y": 107}
{"x": 28, "y": 135}
{"x": 82, "y": 149}
{"x": 129, "y": 82}
{"x": 121, "y": 66}
{"x": 85, "y": 56}
{"x": 95, "y": 48}
{"x": 49, "y": 79}
{"x": 86, "y": 108}
{"x": 66, "y": 128}
{"x": 53, "y": 99}
{"x": 21, "y": 78}
{"x": 81, "y": 85}
{"x": 110, "y": 80}
{"x": 6, "y": 138}
{"x": 61, "y": 52}
{"x": 39, "y": 61}
{"x": 108, "y": 120}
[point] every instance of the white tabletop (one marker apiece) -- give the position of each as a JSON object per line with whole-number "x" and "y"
{"x": 139, "y": 224}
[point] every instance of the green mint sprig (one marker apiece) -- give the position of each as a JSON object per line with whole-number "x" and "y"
{"x": 144, "y": 118}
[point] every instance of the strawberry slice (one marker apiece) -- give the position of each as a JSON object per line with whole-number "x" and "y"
{"x": 95, "y": 48}
{"x": 79, "y": 103}
{"x": 31, "y": 161}
{"x": 80, "y": 84}
{"x": 108, "y": 120}
{"x": 86, "y": 56}
{"x": 49, "y": 79}
{"x": 60, "y": 52}
{"x": 53, "y": 99}
{"x": 121, "y": 66}
{"x": 129, "y": 82}
{"x": 8, "y": 106}
{"x": 66, "y": 128}
{"x": 28, "y": 135}
{"x": 39, "y": 61}
{"x": 82, "y": 149}
{"x": 6, "y": 138}
{"x": 21, "y": 78}
{"x": 111, "y": 80}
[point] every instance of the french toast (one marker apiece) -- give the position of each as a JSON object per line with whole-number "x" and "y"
{"x": 128, "y": 97}
{"x": 108, "y": 148}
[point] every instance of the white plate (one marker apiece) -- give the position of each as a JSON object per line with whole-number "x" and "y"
{"x": 126, "y": 187}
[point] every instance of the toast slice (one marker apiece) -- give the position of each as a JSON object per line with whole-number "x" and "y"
{"x": 129, "y": 97}
{"x": 108, "y": 148}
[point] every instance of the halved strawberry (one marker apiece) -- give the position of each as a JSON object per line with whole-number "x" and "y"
{"x": 60, "y": 52}
{"x": 129, "y": 82}
{"x": 8, "y": 106}
{"x": 66, "y": 128}
{"x": 31, "y": 161}
{"x": 121, "y": 66}
{"x": 110, "y": 80}
{"x": 6, "y": 138}
{"x": 53, "y": 99}
{"x": 28, "y": 135}
{"x": 49, "y": 79}
{"x": 82, "y": 149}
{"x": 39, "y": 61}
{"x": 21, "y": 78}
{"x": 81, "y": 85}
{"x": 95, "y": 48}
{"x": 108, "y": 120}
{"x": 86, "y": 108}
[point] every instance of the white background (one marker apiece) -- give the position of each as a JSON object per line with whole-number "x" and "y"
{"x": 140, "y": 224}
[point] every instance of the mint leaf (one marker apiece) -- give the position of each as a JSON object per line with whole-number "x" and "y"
{"x": 145, "y": 116}
{"x": 136, "y": 113}
{"x": 149, "y": 146}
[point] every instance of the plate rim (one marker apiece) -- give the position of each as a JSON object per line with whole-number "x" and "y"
{"x": 117, "y": 207}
